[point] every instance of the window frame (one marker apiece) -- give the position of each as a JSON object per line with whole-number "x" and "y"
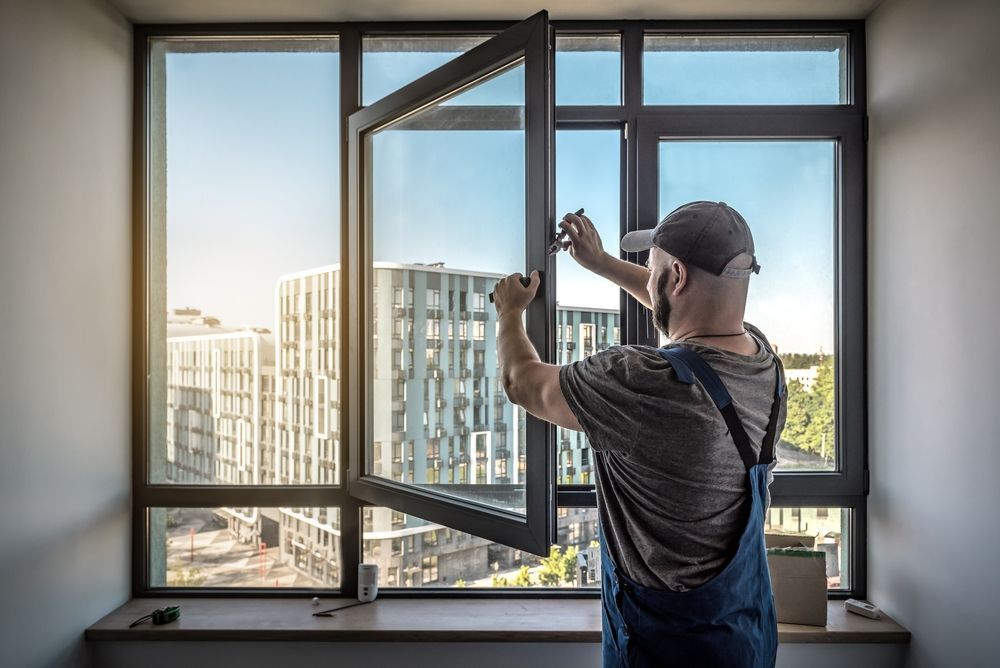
{"x": 851, "y": 320}
{"x": 530, "y": 42}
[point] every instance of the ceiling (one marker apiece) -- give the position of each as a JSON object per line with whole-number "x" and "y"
{"x": 214, "y": 11}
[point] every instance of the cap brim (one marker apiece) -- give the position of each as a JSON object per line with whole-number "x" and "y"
{"x": 638, "y": 241}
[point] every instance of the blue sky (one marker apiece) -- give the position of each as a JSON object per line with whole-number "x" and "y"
{"x": 253, "y": 179}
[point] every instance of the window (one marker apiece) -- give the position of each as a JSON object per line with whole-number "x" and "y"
{"x": 745, "y": 70}
{"x": 194, "y": 548}
{"x": 588, "y": 69}
{"x": 458, "y": 560}
{"x": 817, "y": 529}
{"x": 429, "y": 569}
{"x": 244, "y": 351}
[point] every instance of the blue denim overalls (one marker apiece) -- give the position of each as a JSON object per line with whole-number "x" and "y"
{"x": 728, "y": 621}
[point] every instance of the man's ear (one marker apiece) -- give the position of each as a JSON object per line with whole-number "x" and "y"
{"x": 680, "y": 278}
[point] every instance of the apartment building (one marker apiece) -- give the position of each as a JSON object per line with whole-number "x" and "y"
{"x": 251, "y": 407}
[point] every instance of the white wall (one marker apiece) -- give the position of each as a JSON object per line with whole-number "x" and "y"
{"x": 439, "y": 655}
{"x": 65, "y": 123}
{"x": 934, "y": 325}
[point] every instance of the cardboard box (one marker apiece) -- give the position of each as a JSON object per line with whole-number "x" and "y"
{"x": 798, "y": 580}
{"x": 788, "y": 540}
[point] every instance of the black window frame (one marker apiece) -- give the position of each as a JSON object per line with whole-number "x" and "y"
{"x": 529, "y": 42}
{"x": 848, "y": 490}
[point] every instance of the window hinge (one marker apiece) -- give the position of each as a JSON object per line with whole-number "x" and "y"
{"x": 867, "y": 481}
{"x": 626, "y": 130}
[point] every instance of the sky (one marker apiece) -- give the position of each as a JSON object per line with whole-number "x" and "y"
{"x": 253, "y": 178}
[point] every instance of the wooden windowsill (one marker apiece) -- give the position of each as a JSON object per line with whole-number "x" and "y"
{"x": 426, "y": 620}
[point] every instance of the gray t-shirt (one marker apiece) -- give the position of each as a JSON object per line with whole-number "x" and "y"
{"x": 672, "y": 489}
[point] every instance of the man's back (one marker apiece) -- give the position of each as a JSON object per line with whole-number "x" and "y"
{"x": 672, "y": 486}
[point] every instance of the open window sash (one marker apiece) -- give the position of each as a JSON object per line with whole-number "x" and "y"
{"x": 430, "y": 431}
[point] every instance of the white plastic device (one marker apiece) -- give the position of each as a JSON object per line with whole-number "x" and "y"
{"x": 367, "y": 582}
{"x": 863, "y": 608}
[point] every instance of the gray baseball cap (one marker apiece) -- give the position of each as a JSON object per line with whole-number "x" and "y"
{"x": 708, "y": 235}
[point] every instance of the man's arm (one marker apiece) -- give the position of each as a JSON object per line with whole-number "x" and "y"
{"x": 585, "y": 246}
{"x": 628, "y": 276}
{"x": 528, "y": 381}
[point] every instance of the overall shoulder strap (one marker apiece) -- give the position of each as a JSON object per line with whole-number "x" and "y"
{"x": 689, "y": 365}
{"x": 767, "y": 447}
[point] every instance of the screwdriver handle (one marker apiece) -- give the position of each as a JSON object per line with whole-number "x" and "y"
{"x": 525, "y": 281}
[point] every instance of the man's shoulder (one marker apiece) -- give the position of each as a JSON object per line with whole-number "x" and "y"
{"x": 628, "y": 365}
{"x": 626, "y": 358}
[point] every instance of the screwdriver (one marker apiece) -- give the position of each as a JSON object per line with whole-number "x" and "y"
{"x": 556, "y": 245}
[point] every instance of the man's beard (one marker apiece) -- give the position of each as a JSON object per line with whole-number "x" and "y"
{"x": 661, "y": 310}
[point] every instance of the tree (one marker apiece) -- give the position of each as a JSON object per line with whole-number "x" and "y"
{"x": 190, "y": 577}
{"x": 809, "y": 425}
{"x": 558, "y": 567}
{"x": 523, "y": 578}
{"x": 800, "y": 360}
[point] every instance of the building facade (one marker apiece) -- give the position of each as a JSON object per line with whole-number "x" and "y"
{"x": 251, "y": 407}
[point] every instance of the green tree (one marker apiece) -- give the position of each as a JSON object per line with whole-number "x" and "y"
{"x": 809, "y": 425}
{"x": 523, "y": 578}
{"x": 800, "y": 360}
{"x": 185, "y": 577}
{"x": 559, "y": 566}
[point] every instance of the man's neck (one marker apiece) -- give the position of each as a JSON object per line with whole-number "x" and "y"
{"x": 728, "y": 335}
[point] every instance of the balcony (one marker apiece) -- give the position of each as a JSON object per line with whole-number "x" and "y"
{"x": 434, "y": 312}
{"x": 480, "y": 315}
{"x": 440, "y": 403}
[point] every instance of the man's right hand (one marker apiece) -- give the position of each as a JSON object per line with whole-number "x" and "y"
{"x": 583, "y": 242}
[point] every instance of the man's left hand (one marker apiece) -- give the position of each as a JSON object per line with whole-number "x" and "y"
{"x": 510, "y": 297}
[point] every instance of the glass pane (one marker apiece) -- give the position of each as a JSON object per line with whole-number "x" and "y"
{"x": 447, "y": 212}
{"x": 773, "y": 69}
{"x": 587, "y": 319}
{"x": 823, "y": 529}
{"x": 245, "y": 227}
{"x": 244, "y": 547}
{"x": 588, "y": 69}
{"x": 389, "y": 63}
{"x": 413, "y": 553}
{"x": 786, "y": 192}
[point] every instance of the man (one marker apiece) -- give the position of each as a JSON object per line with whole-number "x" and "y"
{"x": 683, "y": 440}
